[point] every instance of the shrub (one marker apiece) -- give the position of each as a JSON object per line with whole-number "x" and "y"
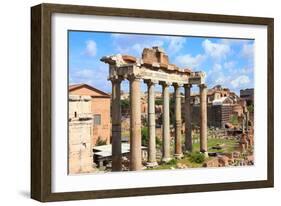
{"x": 172, "y": 162}
{"x": 158, "y": 142}
{"x": 100, "y": 142}
{"x": 197, "y": 157}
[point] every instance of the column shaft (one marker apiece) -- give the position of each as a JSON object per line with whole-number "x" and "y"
{"x": 151, "y": 125}
{"x": 178, "y": 123}
{"x": 203, "y": 118}
{"x": 116, "y": 126}
{"x": 188, "y": 127}
{"x": 166, "y": 124}
{"x": 135, "y": 125}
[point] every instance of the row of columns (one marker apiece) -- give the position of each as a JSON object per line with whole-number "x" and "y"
{"x": 135, "y": 123}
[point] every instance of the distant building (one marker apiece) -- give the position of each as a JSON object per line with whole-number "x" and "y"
{"x": 247, "y": 95}
{"x": 100, "y": 111}
{"x": 217, "y": 95}
{"x": 80, "y": 118}
{"x": 222, "y": 104}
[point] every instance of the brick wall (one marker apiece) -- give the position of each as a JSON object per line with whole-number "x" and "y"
{"x": 217, "y": 115}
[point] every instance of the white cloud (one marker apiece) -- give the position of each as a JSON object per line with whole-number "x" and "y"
{"x": 217, "y": 68}
{"x": 247, "y": 51}
{"x": 229, "y": 65}
{"x": 216, "y": 50}
{"x": 138, "y": 47}
{"x": 240, "y": 81}
{"x": 82, "y": 76}
{"x": 91, "y": 48}
{"x": 175, "y": 43}
{"x": 96, "y": 77}
{"x": 189, "y": 61}
{"x": 134, "y": 44}
{"x": 216, "y": 76}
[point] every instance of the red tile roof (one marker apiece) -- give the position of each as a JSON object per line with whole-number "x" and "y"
{"x": 77, "y": 86}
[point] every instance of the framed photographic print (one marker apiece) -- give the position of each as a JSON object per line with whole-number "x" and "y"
{"x": 130, "y": 102}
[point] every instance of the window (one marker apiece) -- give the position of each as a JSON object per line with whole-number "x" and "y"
{"x": 97, "y": 119}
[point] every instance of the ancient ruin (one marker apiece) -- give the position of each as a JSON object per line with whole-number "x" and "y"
{"x": 80, "y": 135}
{"x": 154, "y": 68}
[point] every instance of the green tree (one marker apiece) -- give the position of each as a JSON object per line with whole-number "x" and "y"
{"x": 234, "y": 119}
{"x": 125, "y": 103}
{"x": 159, "y": 102}
{"x": 144, "y": 136}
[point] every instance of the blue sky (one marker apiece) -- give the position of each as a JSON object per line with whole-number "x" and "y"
{"x": 228, "y": 62}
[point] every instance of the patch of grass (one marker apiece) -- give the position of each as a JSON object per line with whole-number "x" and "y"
{"x": 229, "y": 145}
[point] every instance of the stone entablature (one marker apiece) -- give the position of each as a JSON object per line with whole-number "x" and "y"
{"x": 151, "y": 68}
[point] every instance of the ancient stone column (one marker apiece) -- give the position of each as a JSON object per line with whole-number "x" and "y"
{"x": 135, "y": 125}
{"x": 203, "y": 118}
{"x": 188, "y": 128}
{"x": 178, "y": 122}
{"x": 151, "y": 125}
{"x": 166, "y": 123}
{"x": 116, "y": 125}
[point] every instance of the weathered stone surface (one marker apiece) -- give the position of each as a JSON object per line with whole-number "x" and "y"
{"x": 135, "y": 125}
{"x": 129, "y": 59}
{"x": 223, "y": 160}
{"x": 178, "y": 123}
{"x": 203, "y": 119}
{"x": 151, "y": 125}
{"x": 211, "y": 163}
{"x": 236, "y": 154}
{"x": 166, "y": 124}
{"x": 155, "y": 54}
{"x": 116, "y": 126}
{"x": 188, "y": 127}
{"x": 181, "y": 166}
{"x": 80, "y": 145}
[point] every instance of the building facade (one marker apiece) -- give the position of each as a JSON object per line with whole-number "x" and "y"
{"x": 222, "y": 105}
{"x": 100, "y": 110}
{"x": 247, "y": 95}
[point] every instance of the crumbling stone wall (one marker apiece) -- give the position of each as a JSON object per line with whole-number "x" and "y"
{"x": 154, "y": 54}
{"x": 80, "y": 132}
